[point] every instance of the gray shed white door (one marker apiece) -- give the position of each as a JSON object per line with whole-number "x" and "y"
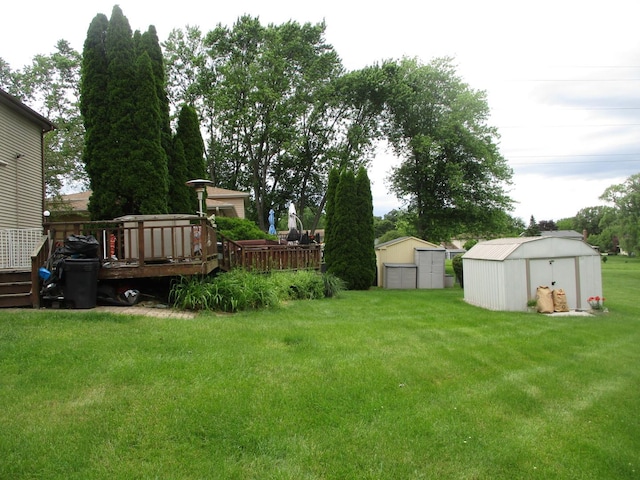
{"x": 555, "y": 273}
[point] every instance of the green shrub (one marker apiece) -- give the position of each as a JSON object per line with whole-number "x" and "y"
{"x": 332, "y": 285}
{"x": 241, "y": 290}
{"x": 457, "y": 268}
{"x": 241, "y": 229}
{"x": 193, "y": 293}
{"x": 298, "y": 285}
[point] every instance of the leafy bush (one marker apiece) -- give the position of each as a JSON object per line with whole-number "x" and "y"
{"x": 469, "y": 244}
{"x": 241, "y": 229}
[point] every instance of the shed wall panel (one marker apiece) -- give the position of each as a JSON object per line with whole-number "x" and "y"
{"x": 480, "y": 292}
{"x": 590, "y": 280}
{"x": 400, "y": 276}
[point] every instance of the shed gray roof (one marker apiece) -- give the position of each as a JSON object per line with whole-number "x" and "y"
{"x": 562, "y": 233}
{"x": 529, "y": 247}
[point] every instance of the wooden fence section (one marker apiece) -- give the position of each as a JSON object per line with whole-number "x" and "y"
{"x": 267, "y": 257}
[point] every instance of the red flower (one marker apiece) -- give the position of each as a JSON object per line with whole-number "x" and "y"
{"x": 597, "y": 299}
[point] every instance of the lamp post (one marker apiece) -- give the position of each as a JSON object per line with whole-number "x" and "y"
{"x": 200, "y": 185}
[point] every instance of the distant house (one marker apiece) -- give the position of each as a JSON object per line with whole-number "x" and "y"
{"x": 220, "y": 202}
{"x": 409, "y": 262}
{"x": 21, "y": 181}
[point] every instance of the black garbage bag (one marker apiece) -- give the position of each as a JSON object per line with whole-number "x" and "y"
{"x": 81, "y": 246}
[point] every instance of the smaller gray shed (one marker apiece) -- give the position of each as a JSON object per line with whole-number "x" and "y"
{"x": 504, "y": 274}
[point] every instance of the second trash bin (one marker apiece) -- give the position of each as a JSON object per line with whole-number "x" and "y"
{"x": 81, "y": 281}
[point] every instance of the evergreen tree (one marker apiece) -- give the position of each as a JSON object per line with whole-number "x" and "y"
{"x": 187, "y": 165}
{"x": 364, "y": 245}
{"x": 94, "y": 104}
{"x": 329, "y": 235}
{"x": 344, "y": 225}
{"x": 533, "y": 230}
{"x": 126, "y": 119}
{"x": 182, "y": 198}
{"x": 150, "y": 181}
{"x": 113, "y": 190}
{"x": 150, "y": 43}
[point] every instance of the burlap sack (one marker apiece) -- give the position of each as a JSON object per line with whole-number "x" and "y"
{"x": 560, "y": 300}
{"x": 544, "y": 300}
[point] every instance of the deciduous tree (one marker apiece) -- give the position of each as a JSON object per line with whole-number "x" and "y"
{"x": 451, "y": 172}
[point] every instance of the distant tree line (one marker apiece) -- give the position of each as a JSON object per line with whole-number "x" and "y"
{"x": 278, "y": 112}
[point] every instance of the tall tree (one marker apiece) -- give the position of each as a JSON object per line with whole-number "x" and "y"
{"x": 125, "y": 157}
{"x": 349, "y": 243}
{"x": 451, "y": 173}
{"x": 187, "y": 163}
{"x": 364, "y": 239}
{"x": 625, "y": 198}
{"x": 330, "y": 229}
{"x": 150, "y": 183}
{"x": 150, "y": 44}
{"x": 271, "y": 85}
{"x": 94, "y": 104}
{"x": 344, "y": 223}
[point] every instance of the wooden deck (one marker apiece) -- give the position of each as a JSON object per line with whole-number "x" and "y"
{"x": 143, "y": 248}
{"x": 146, "y": 248}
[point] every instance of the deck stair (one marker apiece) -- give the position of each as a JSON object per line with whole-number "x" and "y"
{"x": 15, "y": 288}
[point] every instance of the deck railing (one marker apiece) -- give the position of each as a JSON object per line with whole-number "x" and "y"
{"x": 168, "y": 248}
{"x": 267, "y": 257}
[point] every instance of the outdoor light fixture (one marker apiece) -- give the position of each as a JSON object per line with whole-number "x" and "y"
{"x": 200, "y": 185}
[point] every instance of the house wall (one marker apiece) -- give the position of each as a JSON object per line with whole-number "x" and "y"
{"x": 21, "y": 181}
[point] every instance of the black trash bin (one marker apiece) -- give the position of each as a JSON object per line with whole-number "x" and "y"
{"x": 80, "y": 282}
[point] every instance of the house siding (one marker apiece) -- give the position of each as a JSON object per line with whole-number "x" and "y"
{"x": 21, "y": 180}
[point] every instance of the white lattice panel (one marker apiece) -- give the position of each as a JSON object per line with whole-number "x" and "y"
{"x": 16, "y": 247}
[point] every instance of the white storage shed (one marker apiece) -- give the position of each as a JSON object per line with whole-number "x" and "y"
{"x": 504, "y": 274}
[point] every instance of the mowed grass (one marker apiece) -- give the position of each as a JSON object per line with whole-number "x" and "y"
{"x": 371, "y": 385}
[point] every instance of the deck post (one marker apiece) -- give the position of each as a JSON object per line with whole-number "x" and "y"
{"x": 141, "y": 242}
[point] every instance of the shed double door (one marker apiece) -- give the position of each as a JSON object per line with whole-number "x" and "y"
{"x": 430, "y": 268}
{"x": 555, "y": 273}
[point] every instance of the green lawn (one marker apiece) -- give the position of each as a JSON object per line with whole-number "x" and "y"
{"x": 371, "y": 385}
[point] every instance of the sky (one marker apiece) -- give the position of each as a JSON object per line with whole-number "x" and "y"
{"x": 562, "y": 77}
